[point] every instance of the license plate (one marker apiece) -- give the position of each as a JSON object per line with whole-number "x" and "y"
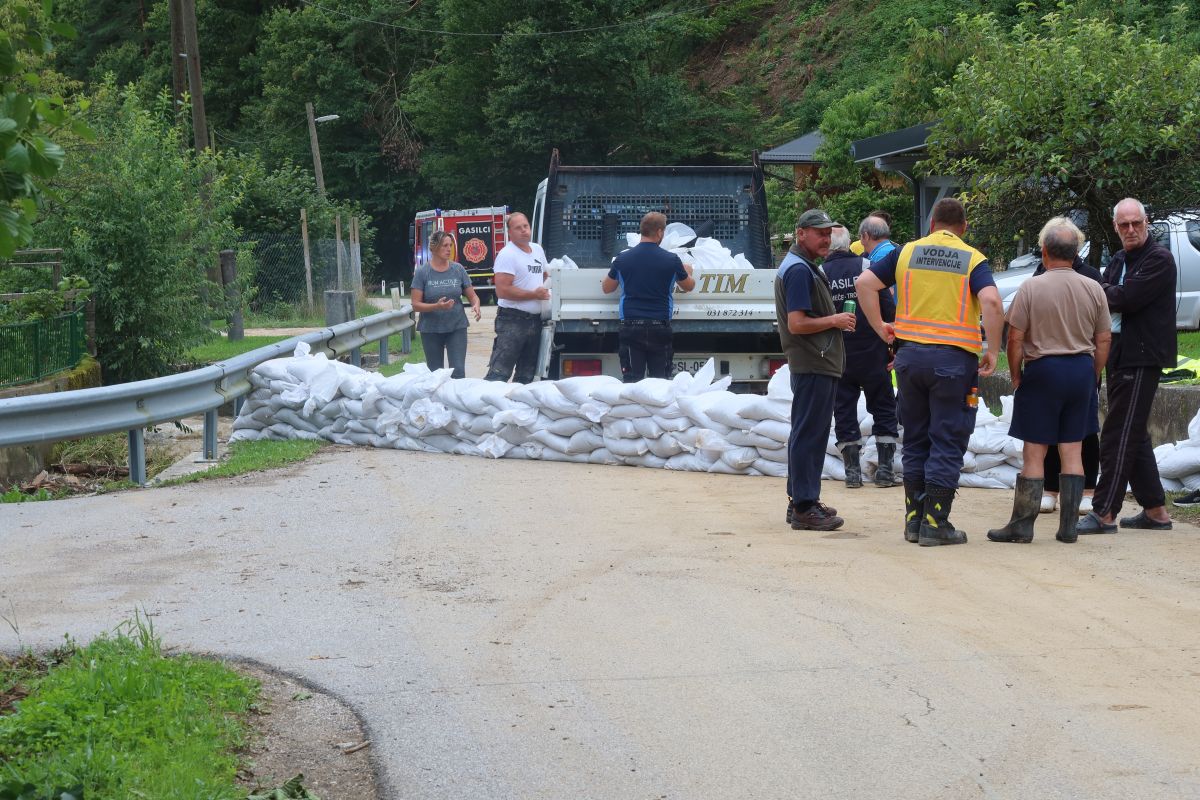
{"x": 692, "y": 365}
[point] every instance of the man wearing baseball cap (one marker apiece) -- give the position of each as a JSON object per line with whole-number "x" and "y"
{"x": 810, "y": 332}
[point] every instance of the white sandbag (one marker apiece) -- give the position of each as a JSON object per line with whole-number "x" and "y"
{"x": 533, "y": 450}
{"x": 429, "y": 416}
{"x": 628, "y": 411}
{"x": 1172, "y": 485}
{"x": 494, "y": 446}
{"x": 720, "y": 467}
{"x": 771, "y": 468}
{"x": 246, "y": 435}
{"x": 289, "y": 417}
{"x": 665, "y": 446}
{"x": 626, "y": 448}
{"x": 696, "y": 408}
{"x": 513, "y": 434}
{"x": 760, "y": 408}
{"x": 646, "y": 460}
{"x": 608, "y": 393}
{"x": 568, "y": 426}
{"x": 728, "y": 410}
{"x": 580, "y": 389}
{"x": 780, "y": 385}
{"x": 834, "y": 469}
{"x": 543, "y": 395}
{"x": 980, "y": 480}
{"x": 778, "y": 455}
{"x": 1176, "y": 461}
{"x": 601, "y": 455}
{"x": 1005, "y": 474}
{"x": 647, "y": 427}
{"x": 986, "y": 461}
{"x": 688, "y": 462}
{"x": 584, "y": 442}
{"x": 593, "y": 410}
{"x": 674, "y": 424}
{"x": 987, "y": 439}
{"x": 620, "y": 429}
{"x": 1194, "y": 429}
{"x": 551, "y": 440}
{"x": 750, "y": 439}
{"x": 464, "y": 394}
{"x": 521, "y": 416}
{"x": 773, "y": 429}
{"x": 712, "y": 442}
{"x": 739, "y": 458}
{"x": 656, "y": 392}
{"x": 482, "y": 424}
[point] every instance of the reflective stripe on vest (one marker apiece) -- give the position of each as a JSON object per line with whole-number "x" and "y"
{"x": 935, "y": 301}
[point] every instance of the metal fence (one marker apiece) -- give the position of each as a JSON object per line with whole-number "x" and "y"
{"x": 281, "y": 277}
{"x": 32, "y": 350}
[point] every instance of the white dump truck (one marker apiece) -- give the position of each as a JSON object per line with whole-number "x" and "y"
{"x": 586, "y": 213}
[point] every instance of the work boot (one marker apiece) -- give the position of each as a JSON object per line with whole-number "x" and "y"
{"x": 914, "y": 504}
{"x": 1069, "y": 496}
{"x": 936, "y": 528}
{"x": 1027, "y": 504}
{"x": 850, "y": 455}
{"x": 885, "y": 475}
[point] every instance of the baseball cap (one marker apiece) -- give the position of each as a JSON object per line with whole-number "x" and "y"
{"x": 815, "y": 218}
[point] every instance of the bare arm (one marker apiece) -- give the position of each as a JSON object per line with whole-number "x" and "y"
{"x": 868, "y": 286}
{"x": 688, "y": 283}
{"x": 506, "y": 291}
{"x": 474, "y": 298}
{"x": 609, "y": 285}
{"x": 419, "y": 304}
{"x": 802, "y": 324}
{"x": 993, "y": 326}
{"x": 1016, "y": 354}
{"x": 1103, "y": 341}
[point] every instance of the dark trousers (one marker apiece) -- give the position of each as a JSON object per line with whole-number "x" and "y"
{"x": 440, "y": 347}
{"x": 1126, "y": 455}
{"x": 518, "y": 335}
{"x": 812, "y": 409}
{"x": 644, "y": 345}
{"x": 866, "y": 372}
{"x": 935, "y": 382}
{"x": 1091, "y": 463}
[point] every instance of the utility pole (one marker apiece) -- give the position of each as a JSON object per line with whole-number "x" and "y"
{"x": 192, "y": 48}
{"x": 178, "y": 48}
{"x": 316, "y": 151}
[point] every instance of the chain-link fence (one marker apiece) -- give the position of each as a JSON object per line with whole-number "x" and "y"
{"x": 283, "y": 280}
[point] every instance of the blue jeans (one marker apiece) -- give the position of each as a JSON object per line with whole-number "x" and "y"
{"x": 812, "y": 411}
{"x": 442, "y": 346}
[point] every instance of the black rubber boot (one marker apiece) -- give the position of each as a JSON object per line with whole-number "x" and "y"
{"x": 1027, "y": 504}
{"x": 1070, "y": 493}
{"x": 850, "y": 455}
{"x": 914, "y": 505}
{"x": 936, "y": 528}
{"x": 885, "y": 474}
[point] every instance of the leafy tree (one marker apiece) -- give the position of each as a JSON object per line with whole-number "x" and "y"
{"x": 1068, "y": 113}
{"x": 29, "y": 116}
{"x": 131, "y": 219}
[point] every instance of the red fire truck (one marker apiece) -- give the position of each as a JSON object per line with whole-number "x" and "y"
{"x": 478, "y": 233}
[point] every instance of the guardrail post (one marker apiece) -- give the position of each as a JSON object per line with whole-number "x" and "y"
{"x": 406, "y": 341}
{"x": 238, "y": 402}
{"x": 233, "y": 297}
{"x": 384, "y": 356}
{"x": 210, "y": 435}
{"x": 137, "y": 456}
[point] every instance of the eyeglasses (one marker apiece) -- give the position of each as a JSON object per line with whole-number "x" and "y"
{"x": 1131, "y": 226}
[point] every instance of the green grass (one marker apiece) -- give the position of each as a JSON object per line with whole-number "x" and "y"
{"x": 417, "y": 356}
{"x": 221, "y": 348}
{"x": 253, "y": 456}
{"x": 119, "y": 719}
{"x": 1189, "y": 344}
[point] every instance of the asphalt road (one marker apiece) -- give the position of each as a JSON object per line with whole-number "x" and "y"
{"x": 513, "y": 629}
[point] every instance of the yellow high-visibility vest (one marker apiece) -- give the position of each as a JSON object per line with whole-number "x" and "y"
{"x": 934, "y": 304}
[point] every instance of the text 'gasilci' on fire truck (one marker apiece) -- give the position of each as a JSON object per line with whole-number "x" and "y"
{"x": 479, "y": 234}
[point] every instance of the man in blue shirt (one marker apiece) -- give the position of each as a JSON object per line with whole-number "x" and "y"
{"x": 647, "y": 276}
{"x": 810, "y": 333}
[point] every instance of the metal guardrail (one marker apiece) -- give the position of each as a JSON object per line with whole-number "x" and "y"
{"x": 130, "y": 407}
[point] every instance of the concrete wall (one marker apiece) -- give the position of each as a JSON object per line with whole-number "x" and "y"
{"x": 1174, "y": 406}
{"x": 22, "y": 463}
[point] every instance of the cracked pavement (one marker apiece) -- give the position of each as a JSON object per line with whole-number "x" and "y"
{"x": 538, "y": 630}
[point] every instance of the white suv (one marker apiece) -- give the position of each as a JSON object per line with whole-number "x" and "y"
{"x": 1179, "y": 233}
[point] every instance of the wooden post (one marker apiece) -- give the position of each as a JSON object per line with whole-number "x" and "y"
{"x": 356, "y": 257}
{"x": 307, "y": 257}
{"x": 337, "y": 236}
{"x": 316, "y": 149}
{"x": 233, "y": 297}
{"x": 192, "y": 48}
{"x": 178, "y": 66}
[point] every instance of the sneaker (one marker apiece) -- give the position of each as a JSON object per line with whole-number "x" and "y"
{"x": 1188, "y": 500}
{"x": 1142, "y": 522}
{"x": 816, "y": 518}
{"x": 1049, "y": 503}
{"x": 1085, "y": 505}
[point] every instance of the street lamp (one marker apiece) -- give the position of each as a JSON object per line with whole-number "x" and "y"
{"x": 316, "y": 149}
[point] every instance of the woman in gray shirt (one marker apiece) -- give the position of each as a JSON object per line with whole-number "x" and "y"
{"x": 437, "y": 291}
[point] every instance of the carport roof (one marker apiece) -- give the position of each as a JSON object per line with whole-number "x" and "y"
{"x": 893, "y": 143}
{"x": 797, "y": 151}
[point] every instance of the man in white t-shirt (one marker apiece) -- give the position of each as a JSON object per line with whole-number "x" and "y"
{"x": 520, "y": 270}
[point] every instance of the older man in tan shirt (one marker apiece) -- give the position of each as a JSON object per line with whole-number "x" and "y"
{"x": 1059, "y": 334}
